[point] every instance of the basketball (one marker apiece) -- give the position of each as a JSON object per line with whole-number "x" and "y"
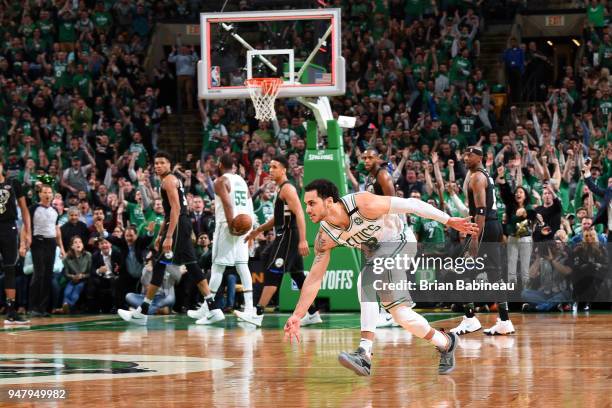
{"x": 241, "y": 224}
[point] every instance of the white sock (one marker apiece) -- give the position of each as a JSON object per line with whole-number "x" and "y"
{"x": 439, "y": 340}
{"x": 366, "y": 345}
{"x": 247, "y": 285}
{"x": 369, "y": 315}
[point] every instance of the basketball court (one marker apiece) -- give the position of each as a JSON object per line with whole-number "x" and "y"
{"x": 552, "y": 360}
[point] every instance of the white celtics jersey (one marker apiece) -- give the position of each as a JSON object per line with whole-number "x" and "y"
{"x": 365, "y": 231}
{"x": 239, "y": 198}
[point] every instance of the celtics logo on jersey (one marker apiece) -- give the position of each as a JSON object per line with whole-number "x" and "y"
{"x": 358, "y": 221}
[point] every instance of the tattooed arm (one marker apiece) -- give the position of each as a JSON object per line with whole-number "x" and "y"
{"x": 323, "y": 246}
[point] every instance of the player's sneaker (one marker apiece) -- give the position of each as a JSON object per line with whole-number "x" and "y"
{"x": 15, "y": 319}
{"x": 249, "y": 317}
{"x": 447, "y": 357}
{"x": 211, "y": 317}
{"x": 467, "y": 325}
{"x": 357, "y": 361}
{"x": 309, "y": 319}
{"x": 500, "y": 328}
{"x": 199, "y": 312}
{"x": 133, "y": 316}
{"x": 384, "y": 319}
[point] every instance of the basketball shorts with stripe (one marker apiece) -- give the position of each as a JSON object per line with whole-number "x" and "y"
{"x": 282, "y": 255}
{"x": 182, "y": 245}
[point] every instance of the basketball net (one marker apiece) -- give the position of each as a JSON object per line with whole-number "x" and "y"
{"x": 263, "y": 93}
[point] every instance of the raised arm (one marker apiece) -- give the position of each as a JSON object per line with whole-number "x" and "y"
{"x": 351, "y": 177}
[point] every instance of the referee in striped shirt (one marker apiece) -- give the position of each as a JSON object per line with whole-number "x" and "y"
{"x": 46, "y": 235}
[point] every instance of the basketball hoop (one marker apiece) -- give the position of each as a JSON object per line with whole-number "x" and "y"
{"x": 263, "y": 94}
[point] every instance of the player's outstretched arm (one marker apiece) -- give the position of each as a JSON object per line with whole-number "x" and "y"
{"x": 312, "y": 284}
{"x": 373, "y": 206}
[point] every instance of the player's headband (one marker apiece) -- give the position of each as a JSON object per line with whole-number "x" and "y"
{"x": 474, "y": 150}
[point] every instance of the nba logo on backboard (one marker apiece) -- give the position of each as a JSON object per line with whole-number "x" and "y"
{"x": 215, "y": 76}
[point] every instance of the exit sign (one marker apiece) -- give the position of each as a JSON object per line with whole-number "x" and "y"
{"x": 555, "y": 21}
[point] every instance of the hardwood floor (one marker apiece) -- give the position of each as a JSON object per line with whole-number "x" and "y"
{"x": 554, "y": 360}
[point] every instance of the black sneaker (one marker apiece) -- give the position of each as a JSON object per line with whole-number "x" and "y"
{"x": 15, "y": 319}
{"x": 447, "y": 358}
{"x": 357, "y": 361}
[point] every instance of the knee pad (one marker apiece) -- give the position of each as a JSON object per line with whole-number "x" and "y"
{"x": 157, "y": 277}
{"x": 196, "y": 273}
{"x": 9, "y": 276}
{"x": 411, "y": 320}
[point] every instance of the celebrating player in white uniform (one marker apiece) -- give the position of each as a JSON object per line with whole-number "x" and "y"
{"x": 231, "y": 199}
{"x": 365, "y": 220}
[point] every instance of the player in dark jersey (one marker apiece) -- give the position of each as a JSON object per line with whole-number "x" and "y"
{"x": 286, "y": 252}
{"x": 379, "y": 181}
{"x": 483, "y": 210}
{"x": 173, "y": 244}
{"x": 11, "y": 196}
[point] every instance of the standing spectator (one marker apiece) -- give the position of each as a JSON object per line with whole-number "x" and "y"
{"x": 514, "y": 61}
{"x": 604, "y": 215}
{"x": 77, "y": 265}
{"x": 185, "y": 71}
{"x": 518, "y": 227}
{"x": 74, "y": 178}
{"x": 46, "y": 235}
{"x": 590, "y": 266}
{"x": 596, "y": 14}
{"x": 548, "y": 215}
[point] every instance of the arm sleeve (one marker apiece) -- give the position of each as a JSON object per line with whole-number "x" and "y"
{"x": 460, "y": 205}
{"x": 58, "y": 265}
{"x": 413, "y": 206}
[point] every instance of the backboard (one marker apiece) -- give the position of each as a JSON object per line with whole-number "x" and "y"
{"x": 302, "y": 47}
